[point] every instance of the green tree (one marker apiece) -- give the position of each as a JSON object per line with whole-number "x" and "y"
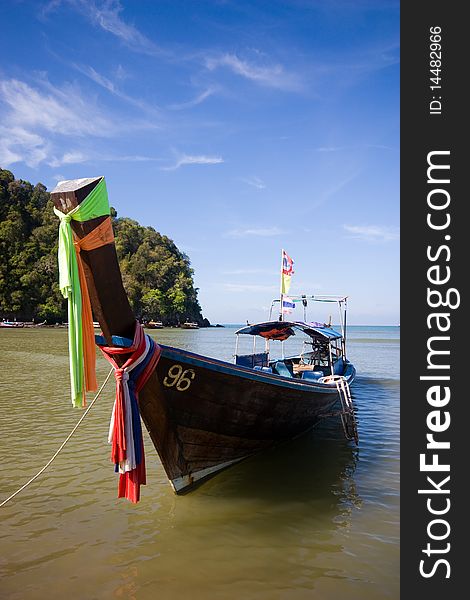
{"x": 157, "y": 276}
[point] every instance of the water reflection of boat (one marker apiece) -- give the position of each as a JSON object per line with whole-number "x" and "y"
{"x": 205, "y": 414}
{"x": 332, "y": 463}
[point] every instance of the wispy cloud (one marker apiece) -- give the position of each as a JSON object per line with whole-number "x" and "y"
{"x": 106, "y": 15}
{"x": 329, "y": 193}
{"x": 36, "y": 121}
{"x": 76, "y": 157}
{"x": 19, "y": 145}
{"x": 69, "y": 158}
{"x": 372, "y": 233}
{"x": 199, "y": 99}
{"x": 274, "y": 76}
{"x": 31, "y": 117}
{"x": 365, "y": 61}
{"x": 111, "y": 87}
{"x": 255, "y": 182}
{"x": 187, "y": 159}
{"x": 62, "y": 111}
{"x": 255, "y": 232}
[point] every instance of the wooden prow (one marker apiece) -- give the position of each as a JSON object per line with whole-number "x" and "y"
{"x": 108, "y": 298}
{"x": 111, "y": 308}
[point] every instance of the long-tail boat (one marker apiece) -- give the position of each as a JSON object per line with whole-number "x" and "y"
{"x": 204, "y": 414}
{"x": 11, "y": 324}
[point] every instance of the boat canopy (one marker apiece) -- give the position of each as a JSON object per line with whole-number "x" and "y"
{"x": 281, "y": 330}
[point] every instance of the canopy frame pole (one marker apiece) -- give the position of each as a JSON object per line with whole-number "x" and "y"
{"x": 237, "y": 340}
{"x": 304, "y": 304}
{"x": 343, "y": 325}
{"x": 281, "y": 295}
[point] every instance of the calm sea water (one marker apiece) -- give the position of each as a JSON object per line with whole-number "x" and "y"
{"x": 313, "y": 519}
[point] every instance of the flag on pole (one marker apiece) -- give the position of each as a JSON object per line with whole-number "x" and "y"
{"x": 286, "y": 272}
{"x": 287, "y": 305}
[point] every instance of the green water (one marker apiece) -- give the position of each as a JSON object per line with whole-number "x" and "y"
{"x": 313, "y": 519}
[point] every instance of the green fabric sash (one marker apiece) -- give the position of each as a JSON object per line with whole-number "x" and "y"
{"x": 95, "y": 205}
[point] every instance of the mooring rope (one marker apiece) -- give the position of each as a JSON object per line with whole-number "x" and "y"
{"x": 63, "y": 443}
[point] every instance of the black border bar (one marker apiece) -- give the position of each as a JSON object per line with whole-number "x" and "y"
{"x": 435, "y": 253}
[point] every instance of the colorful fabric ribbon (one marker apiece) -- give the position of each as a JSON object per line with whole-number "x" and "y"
{"x": 72, "y": 284}
{"x": 125, "y": 429}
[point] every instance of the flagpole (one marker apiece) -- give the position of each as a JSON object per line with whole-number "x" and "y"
{"x": 281, "y": 298}
{"x": 280, "y": 289}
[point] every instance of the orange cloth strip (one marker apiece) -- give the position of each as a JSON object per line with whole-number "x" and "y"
{"x": 100, "y": 236}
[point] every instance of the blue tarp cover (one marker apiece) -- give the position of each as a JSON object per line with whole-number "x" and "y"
{"x": 283, "y": 329}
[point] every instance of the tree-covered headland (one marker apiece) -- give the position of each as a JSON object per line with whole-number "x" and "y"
{"x": 157, "y": 276}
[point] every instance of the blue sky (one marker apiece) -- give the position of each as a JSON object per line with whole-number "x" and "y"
{"x": 236, "y": 128}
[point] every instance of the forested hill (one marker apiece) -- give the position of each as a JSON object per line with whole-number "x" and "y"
{"x": 157, "y": 276}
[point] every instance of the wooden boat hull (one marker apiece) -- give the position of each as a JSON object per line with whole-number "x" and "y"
{"x": 204, "y": 414}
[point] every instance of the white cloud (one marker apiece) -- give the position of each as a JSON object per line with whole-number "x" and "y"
{"x": 106, "y": 14}
{"x": 69, "y": 158}
{"x": 109, "y": 85}
{"x": 19, "y": 145}
{"x": 36, "y": 123}
{"x": 256, "y": 232}
{"x": 77, "y": 157}
{"x": 121, "y": 73}
{"x": 132, "y": 158}
{"x": 101, "y": 80}
{"x": 61, "y": 111}
{"x": 372, "y": 233}
{"x": 187, "y": 159}
{"x": 271, "y": 76}
{"x": 255, "y": 182}
{"x": 199, "y": 99}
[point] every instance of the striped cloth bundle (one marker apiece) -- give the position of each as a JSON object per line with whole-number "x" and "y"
{"x": 125, "y": 430}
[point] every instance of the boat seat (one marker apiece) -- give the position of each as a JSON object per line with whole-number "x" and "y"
{"x": 312, "y": 375}
{"x": 251, "y": 360}
{"x": 265, "y": 369}
{"x": 281, "y": 369}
